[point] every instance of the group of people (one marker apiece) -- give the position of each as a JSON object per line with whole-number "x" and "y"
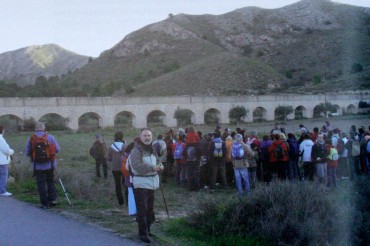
{"x": 195, "y": 161}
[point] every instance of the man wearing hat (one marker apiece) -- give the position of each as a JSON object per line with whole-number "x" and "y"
{"x": 42, "y": 148}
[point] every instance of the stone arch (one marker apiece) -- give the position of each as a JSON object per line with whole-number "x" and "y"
{"x": 300, "y": 112}
{"x": 11, "y": 122}
{"x": 89, "y": 120}
{"x": 54, "y": 122}
{"x": 337, "y": 110}
{"x": 212, "y": 116}
{"x": 124, "y": 119}
{"x": 156, "y": 118}
{"x": 259, "y": 114}
{"x": 184, "y": 117}
{"x": 351, "y": 109}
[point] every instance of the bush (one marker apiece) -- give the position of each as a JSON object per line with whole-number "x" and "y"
{"x": 282, "y": 214}
{"x": 361, "y": 227}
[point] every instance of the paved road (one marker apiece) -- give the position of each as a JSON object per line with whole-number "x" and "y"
{"x": 22, "y": 224}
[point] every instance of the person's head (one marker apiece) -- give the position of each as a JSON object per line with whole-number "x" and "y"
{"x": 160, "y": 137}
{"x": 291, "y": 135}
{"x": 266, "y": 137}
{"x": 282, "y": 136}
{"x": 343, "y": 135}
{"x": 320, "y": 138}
{"x": 191, "y": 129}
{"x": 98, "y": 137}
{"x": 217, "y": 134}
{"x": 239, "y": 137}
{"x": 315, "y": 129}
{"x": 39, "y": 126}
{"x": 328, "y": 141}
{"x": 1, "y": 130}
{"x": 118, "y": 136}
{"x": 146, "y": 136}
{"x": 200, "y": 134}
{"x": 277, "y": 136}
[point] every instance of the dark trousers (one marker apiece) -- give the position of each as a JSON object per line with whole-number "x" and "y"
{"x": 144, "y": 199}
{"x": 280, "y": 168}
{"x": 101, "y": 162}
{"x": 205, "y": 174}
{"x": 118, "y": 181}
{"x": 46, "y": 186}
{"x": 218, "y": 167}
{"x": 193, "y": 175}
{"x": 309, "y": 170}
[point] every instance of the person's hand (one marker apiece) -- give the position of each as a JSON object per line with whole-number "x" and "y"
{"x": 159, "y": 168}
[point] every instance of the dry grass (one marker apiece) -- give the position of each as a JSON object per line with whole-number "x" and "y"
{"x": 94, "y": 199}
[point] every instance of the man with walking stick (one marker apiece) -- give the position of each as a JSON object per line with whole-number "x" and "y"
{"x": 145, "y": 166}
{"x": 42, "y": 148}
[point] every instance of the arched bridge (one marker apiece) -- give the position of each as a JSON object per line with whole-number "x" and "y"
{"x": 139, "y": 109}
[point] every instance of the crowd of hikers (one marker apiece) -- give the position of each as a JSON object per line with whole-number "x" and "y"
{"x": 223, "y": 158}
{"x": 241, "y": 159}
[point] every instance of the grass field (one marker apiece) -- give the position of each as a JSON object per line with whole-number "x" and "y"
{"x": 94, "y": 200}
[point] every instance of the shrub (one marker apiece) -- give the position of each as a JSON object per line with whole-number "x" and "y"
{"x": 282, "y": 214}
{"x": 183, "y": 116}
{"x": 236, "y": 114}
{"x": 361, "y": 226}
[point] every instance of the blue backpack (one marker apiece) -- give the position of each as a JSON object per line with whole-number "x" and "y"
{"x": 237, "y": 151}
{"x": 179, "y": 151}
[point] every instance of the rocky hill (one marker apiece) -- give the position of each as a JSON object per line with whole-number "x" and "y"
{"x": 24, "y": 65}
{"x": 306, "y": 47}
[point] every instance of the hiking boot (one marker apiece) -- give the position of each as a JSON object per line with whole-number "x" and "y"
{"x": 6, "y": 194}
{"x": 53, "y": 203}
{"x": 145, "y": 239}
{"x": 44, "y": 207}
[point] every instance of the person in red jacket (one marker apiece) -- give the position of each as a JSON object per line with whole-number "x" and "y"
{"x": 278, "y": 151}
{"x": 192, "y": 159}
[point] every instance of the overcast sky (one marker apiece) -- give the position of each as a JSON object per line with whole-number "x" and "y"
{"x": 88, "y": 27}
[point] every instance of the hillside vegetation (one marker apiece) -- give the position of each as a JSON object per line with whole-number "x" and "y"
{"x": 306, "y": 47}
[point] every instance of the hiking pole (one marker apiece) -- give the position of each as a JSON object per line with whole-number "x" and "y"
{"x": 164, "y": 200}
{"x": 64, "y": 190}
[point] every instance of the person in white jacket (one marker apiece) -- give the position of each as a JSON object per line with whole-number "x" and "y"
{"x": 305, "y": 149}
{"x": 5, "y": 153}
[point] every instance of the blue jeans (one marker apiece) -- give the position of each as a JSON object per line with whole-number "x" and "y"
{"x": 241, "y": 177}
{"x": 3, "y": 178}
{"x": 332, "y": 176}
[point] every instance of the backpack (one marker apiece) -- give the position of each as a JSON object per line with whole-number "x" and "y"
{"x": 190, "y": 153}
{"x": 333, "y": 154}
{"x": 40, "y": 149}
{"x": 340, "y": 146}
{"x": 279, "y": 152}
{"x": 237, "y": 151}
{"x": 124, "y": 170}
{"x": 179, "y": 151}
{"x": 158, "y": 148}
{"x": 218, "y": 150}
{"x": 355, "y": 148}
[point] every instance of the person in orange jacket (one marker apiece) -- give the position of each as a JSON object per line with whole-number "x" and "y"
{"x": 278, "y": 151}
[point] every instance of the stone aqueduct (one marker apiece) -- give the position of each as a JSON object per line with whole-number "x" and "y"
{"x": 106, "y": 109}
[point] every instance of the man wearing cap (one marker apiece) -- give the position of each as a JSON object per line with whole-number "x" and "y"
{"x": 43, "y": 167}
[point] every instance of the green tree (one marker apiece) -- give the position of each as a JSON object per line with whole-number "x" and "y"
{"x": 281, "y": 112}
{"x": 183, "y": 116}
{"x": 236, "y": 114}
{"x": 322, "y": 108}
